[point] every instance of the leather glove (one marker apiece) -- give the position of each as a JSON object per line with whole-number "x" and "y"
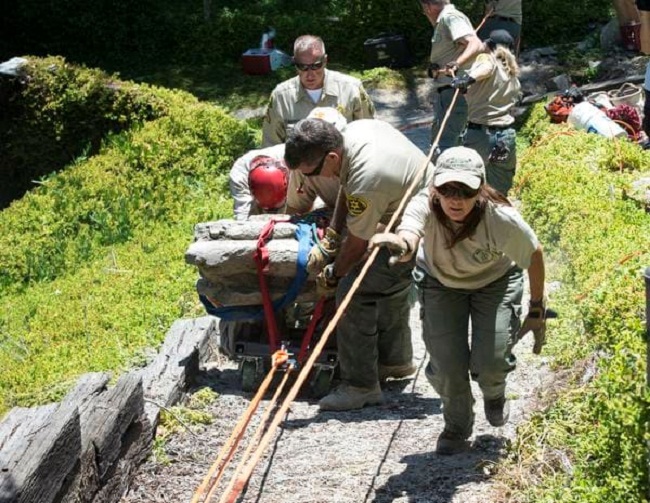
{"x": 324, "y": 252}
{"x": 535, "y": 322}
{"x": 433, "y": 70}
{"x": 326, "y": 282}
{"x": 462, "y": 83}
{"x": 397, "y": 246}
{"x": 451, "y": 67}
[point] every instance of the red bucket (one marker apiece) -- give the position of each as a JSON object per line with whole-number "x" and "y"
{"x": 631, "y": 35}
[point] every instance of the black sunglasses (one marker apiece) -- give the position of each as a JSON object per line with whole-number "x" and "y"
{"x": 303, "y": 67}
{"x": 316, "y": 171}
{"x": 458, "y": 191}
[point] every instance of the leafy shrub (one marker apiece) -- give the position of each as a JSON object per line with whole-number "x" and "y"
{"x": 91, "y": 261}
{"x": 590, "y": 446}
{"x": 56, "y": 112}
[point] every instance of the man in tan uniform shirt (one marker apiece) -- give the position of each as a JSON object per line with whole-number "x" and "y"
{"x": 454, "y": 45}
{"x": 314, "y": 86}
{"x": 375, "y": 164}
{"x": 503, "y": 15}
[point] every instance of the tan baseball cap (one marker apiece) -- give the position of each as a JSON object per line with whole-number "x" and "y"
{"x": 459, "y": 164}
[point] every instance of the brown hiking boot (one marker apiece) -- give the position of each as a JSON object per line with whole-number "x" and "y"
{"x": 497, "y": 411}
{"x": 347, "y": 397}
{"x": 450, "y": 443}
{"x": 396, "y": 371}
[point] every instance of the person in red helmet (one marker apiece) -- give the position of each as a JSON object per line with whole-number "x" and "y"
{"x": 258, "y": 182}
{"x": 268, "y": 181}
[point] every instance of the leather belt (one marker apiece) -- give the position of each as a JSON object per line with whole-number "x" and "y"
{"x": 443, "y": 88}
{"x": 474, "y": 125}
{"x": 502, "y": 18}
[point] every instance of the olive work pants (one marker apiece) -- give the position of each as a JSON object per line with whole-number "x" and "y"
{"x": 375, "y": 326}
{"x": 491, "y": 24}
{"x": 494, "y": 311}
{"x": 498, "y": 148}
{"x": 455, "y": 126}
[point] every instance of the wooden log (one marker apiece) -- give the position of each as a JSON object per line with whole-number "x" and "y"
{"x": 605, "y": 85}
{"x": 247, "y": 292}
{"x": 241, "y": 230}
{"x": 38, "y": 452}
{"x": 115, "y": 429}
{"x": 173, "y": 370}
{"x": 223, "y": 258}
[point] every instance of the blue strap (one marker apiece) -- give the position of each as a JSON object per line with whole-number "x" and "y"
{"x": 256, "y": 312}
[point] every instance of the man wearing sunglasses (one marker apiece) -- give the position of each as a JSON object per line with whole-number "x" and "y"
{"x": 375, "y": 165}
{"x": 314, "y": 86}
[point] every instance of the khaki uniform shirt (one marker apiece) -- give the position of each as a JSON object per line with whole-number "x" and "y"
{"x": 502, "y": 239}
{"x": 489, "y": 100}
{"x": 244, "y": 204}
{"x": 378, "y": 165}
{"x": 304, "y": 192}
{"x": 507, "y": 8}
{"x": 452, "y": 26}
{"x": 290, "y": 103}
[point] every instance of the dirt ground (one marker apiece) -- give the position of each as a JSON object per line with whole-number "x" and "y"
{"x": 378, "y": 454}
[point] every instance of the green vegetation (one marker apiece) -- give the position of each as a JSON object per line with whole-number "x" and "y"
{"x": 92, "y": 268}
{"x": 181, "y": 418}
{"x": 590, "y": 444}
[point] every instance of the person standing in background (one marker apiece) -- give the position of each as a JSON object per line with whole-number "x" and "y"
{"x": 314, "y": 86}
{"x": 492, "y": 89}
{"x": 644, "y": 14}
{"x": 454, "y": 45}
{"x": 503, "y": 15}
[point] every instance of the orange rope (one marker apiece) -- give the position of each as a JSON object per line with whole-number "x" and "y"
{"x": 256, "y": 437}
{"x": 242, "y": 479}
{"x": 229, "y": 448}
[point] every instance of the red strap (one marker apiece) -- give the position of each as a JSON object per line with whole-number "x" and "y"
{"x": 261, "y": 257}
{"x": 309, "y": 334}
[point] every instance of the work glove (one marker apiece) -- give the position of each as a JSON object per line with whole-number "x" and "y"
{"x": 433, "y": 70}
{"x": 397, "y": 246}
{"x": 324, "y": 252}
{"x": 462, "y": 83}
{"x": 326, "y": 282}
{"x": 535, "y": 322}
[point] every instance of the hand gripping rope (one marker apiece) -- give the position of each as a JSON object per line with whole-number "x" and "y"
{"x": 249, "y": 461}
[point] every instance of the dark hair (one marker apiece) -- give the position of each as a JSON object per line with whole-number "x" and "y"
{"x": 309, "y": 141}
{"x": 468, "y": 227}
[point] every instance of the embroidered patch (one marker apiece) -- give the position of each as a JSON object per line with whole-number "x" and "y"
{"x": 357, "y": 205}
{"x": 484, "y": 256}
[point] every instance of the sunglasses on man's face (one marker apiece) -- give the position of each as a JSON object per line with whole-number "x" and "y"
{"x": 303, "y": 67}
{"x": 316, "y": 171}
{"x": 456, "y": 191}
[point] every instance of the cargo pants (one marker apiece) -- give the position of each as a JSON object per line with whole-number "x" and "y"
{"x": 454, "y": 356}
{"x": 457, "y": 119}
{"x": 500, "y": 164}
{"x": 375, "y": 326}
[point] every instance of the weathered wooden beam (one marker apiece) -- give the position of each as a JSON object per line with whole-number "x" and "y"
{"x": 173, "y": 370}
{"x": 39, "y": 449}
{"x": 605, "y": 85}
{"x": 247, "y": 291}
{"x": 219, "y": 259}
{"x": 241, "y": 230}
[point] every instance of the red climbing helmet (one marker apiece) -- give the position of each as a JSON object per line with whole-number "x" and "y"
{"x": 268, "y": 181}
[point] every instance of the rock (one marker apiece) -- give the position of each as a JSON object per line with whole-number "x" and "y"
{"x": 559, "y": 83}
{"x": 610, "y": 35}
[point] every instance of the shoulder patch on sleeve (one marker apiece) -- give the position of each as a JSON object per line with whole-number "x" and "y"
{"x": 357, "y": 205}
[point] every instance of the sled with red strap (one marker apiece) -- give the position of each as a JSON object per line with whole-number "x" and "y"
{"x": 253, "y": 338}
